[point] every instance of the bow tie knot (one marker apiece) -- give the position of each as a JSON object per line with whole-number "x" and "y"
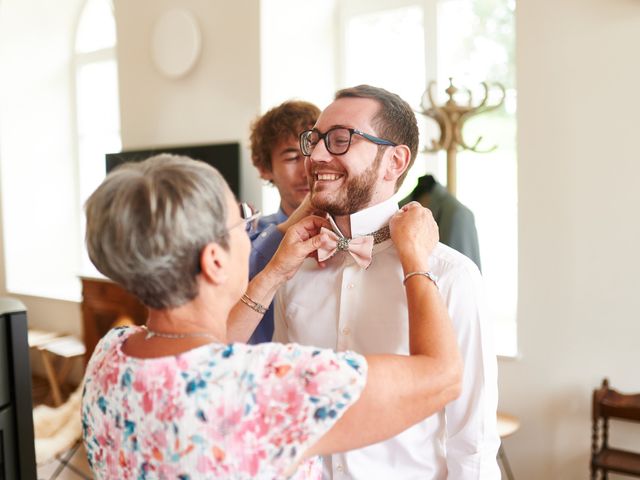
{"x": 343, "y": 243}
{"x": 360, "y": 248}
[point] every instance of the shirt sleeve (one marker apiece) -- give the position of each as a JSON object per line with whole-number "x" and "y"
{"x": 301, "y": 393}
{"x": 263, "y": 247}
{"x": 472, "y": 439}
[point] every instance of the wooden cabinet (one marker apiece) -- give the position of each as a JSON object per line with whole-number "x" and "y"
{"x": 103, "y": 304}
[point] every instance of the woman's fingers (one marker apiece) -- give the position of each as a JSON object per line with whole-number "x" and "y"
{"x": 413, "y": 227}
{"x": 301, "y": 241}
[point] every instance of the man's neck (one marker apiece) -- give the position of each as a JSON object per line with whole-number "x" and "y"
{"x": 287, "y": 209}
{"x": 375, "y": 217}
{"x": 344, "y": 224}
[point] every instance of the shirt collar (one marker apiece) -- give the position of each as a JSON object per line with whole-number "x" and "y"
{"x": 372, "y": 218}
{"x": 280, "y": 215}
{"x": 267, "y": 220}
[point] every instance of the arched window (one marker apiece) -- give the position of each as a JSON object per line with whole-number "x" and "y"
{"x": 59, "y": 114}
{"x": 96, "y": 97}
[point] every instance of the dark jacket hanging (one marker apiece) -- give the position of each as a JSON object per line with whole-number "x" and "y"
{"x": 455, "y": 221}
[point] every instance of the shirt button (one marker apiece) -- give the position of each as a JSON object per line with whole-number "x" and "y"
{"x": 346, "y": 331}
{"x": 339, "y": 468}
{"x": 350, "y": 286}
{"x": 263, "y": 234}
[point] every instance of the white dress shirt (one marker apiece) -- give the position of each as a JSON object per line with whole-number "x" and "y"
{"x": 345, "y": 307}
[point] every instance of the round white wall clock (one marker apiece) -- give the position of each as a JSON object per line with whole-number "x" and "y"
{"x": 176, "y": 42}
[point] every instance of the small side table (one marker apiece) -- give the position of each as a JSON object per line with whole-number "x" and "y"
{"x": 51, "y": 345}
{"x": 507, "y": 425}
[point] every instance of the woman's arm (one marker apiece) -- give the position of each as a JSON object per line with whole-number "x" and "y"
{"x": 402, "y": 390}
{"x": 301, "y": 240}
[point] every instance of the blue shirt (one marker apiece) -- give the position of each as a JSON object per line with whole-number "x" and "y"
{"x": 264, "y": 243}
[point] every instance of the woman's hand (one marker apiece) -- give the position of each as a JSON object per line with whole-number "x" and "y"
{"x": 304, "y": 210}
{"x": 415, "y": 234}
{"x": 301, "y": 240}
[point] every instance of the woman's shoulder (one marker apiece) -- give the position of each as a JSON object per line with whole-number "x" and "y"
{"x": 120, "y": 333}
{"x": 111, "y": 343}
{"x": 116, "y": 336}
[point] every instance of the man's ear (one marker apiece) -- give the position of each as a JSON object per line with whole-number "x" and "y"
{"x": 214, "y": 263}
{"x": 398, "y": 162}
{"x": 265, "y": 174}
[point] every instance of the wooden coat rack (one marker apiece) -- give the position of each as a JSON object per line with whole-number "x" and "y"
{"x": 451, "y": 118}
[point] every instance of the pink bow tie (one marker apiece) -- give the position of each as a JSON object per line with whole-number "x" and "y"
{"x": 360, "y": 248}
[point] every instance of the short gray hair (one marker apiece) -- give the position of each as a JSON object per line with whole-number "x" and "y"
{"x": 148, "y": 222}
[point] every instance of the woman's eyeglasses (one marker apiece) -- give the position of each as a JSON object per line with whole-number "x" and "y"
{"x": 250, "y": 217}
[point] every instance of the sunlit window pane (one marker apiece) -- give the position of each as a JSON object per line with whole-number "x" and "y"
{"x": 372, "y": 58}
{"x": 91, "y": 150}
{"x": 97, "y": 28}
{"x": 476, "y": 44}
{"x": 91, "y": 171}
{"x": 97, "y": 101}
{"x": 98, "y": 127}
{"x": 97, "y": 97}
{"x": 369, "y": 58}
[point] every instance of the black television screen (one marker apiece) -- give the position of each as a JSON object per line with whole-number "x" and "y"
{"x": 223, "y": 156}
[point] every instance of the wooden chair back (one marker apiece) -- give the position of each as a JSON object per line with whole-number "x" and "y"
{"x": 608, "y": 403}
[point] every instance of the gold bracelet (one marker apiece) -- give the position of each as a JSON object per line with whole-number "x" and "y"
{"x": 429, "y": 275}
{"x": 252, "y": 304}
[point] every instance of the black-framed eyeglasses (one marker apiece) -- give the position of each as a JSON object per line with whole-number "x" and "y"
{"x": 336, "y": 139}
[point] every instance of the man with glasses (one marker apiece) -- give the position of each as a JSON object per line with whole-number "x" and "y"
{"x": 357, "y": 156}
{"x": 275, "y": 152}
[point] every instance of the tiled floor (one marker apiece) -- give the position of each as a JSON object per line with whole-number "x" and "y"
{"x": 70, "y": 465}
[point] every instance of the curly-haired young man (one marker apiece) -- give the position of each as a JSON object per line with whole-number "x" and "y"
{"x": 275, "y": 152}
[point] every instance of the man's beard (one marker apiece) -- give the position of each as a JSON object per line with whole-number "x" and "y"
{"x": 354, "y": 195}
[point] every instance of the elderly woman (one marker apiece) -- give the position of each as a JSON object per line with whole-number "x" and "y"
{"x": 183, "y": 398}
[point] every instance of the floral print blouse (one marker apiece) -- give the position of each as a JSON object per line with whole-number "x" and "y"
{"x": 217, "y": 411}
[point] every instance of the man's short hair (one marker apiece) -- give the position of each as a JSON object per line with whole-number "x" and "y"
{"x": 394, "y": 121}
{"x": 287, "y": 120}
{"x": 148, "y": 222}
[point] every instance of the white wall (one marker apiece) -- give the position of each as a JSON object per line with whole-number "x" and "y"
{"x": 302, "y": 63}
{"x": 579, "y": 166}
{"x": 290, "y": 68}
{"x": 215, "y": 102}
